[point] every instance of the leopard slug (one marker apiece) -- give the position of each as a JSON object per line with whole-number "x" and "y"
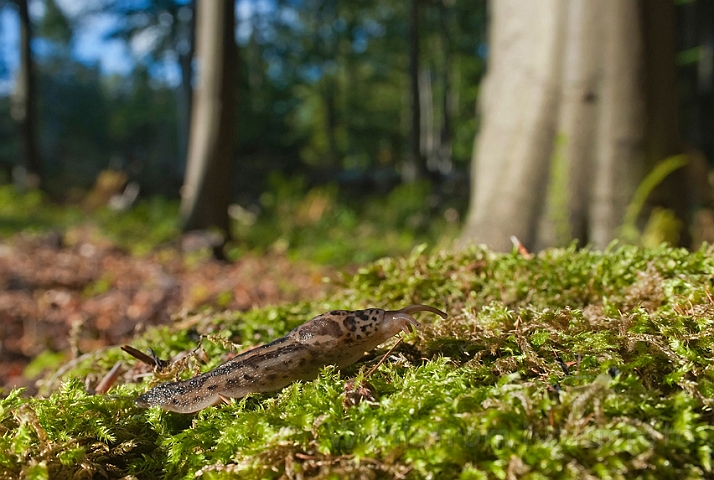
{"x": 338, "y": 338}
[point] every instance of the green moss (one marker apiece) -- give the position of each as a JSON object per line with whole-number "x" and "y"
{"x": 569, "y": 364}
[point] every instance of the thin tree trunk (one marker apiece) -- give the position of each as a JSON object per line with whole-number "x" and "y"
{"x": 427, "y": 134}
{"x": 23, "y": 104}
{"x": 327, "y": 14}
{"x": 662, "y": 137}
{"x": 445, "y": 163}
{"x": 185, "y": 92}
{"x": 331, "y": 120}
{"x": 414, "y": 166}
{"x": 206, "y": 192}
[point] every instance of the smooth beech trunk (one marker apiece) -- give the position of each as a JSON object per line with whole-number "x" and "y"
{"x": 579, "y": 102}
{"x": 519, "y": 94}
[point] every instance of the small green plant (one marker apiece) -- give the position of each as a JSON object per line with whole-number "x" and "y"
{"x": 629, "y": 231}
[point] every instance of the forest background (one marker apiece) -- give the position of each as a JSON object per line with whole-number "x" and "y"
{"x": 322, "y": 93}
{"x": 196, "y": 178}
{"x": 359, "y": 100}
{"x": 353, "y": 132}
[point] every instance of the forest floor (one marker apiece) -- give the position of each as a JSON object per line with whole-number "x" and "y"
{"x": 569, "y": 363}
{"x": 565, "y": 364}
{"x": 79, "y": 278}
{"x": 65, "y": 295}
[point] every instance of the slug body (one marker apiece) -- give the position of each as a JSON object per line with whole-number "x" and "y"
{"x": 338, "y": 338}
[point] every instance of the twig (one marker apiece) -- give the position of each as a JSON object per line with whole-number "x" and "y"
{"x": 140, "y": 355}
{"x": 106, "y": 383}
{"x": 521, "y": 249}
{"x": 384, "y": 357}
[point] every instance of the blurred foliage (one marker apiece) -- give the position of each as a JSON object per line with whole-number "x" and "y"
{"x": 570, "y": 364}
{"x": 31, "y": 212}
{"x": 318, "y": 224}
{"x": 662, "y": 225}
{"x": 148, "y": 224}
{"x": 323, "y": 225}
{"x": 322, "y": 88}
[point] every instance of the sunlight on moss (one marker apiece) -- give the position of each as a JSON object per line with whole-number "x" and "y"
{"x": 570, "y": 364}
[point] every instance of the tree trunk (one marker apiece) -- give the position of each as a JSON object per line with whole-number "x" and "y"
{"x": 619, "y": 161}
{"x": 520, "y": 92}
{"x": 414, "y": 166}
{"x": 427, "y": 135}
{"x": 594, "y": 123}
{"x": 330, "y": 88}
{"x": 569, "y": 190}
{"x": 661, "y": 103}
{"x": 23, "y": 105}
{"x": 445, "y": 161}
{"x": 185, "y": 49}
{"x": 206, "y": 191}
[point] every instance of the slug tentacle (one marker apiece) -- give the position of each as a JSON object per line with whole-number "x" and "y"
{"x": 339, "y": 337}
{"x": 422, "y": 308}
{"x": 409, "y": 322}
{"x": 403, "y": 317}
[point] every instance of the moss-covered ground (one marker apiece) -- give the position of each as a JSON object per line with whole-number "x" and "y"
{"x": 570, "y": 364}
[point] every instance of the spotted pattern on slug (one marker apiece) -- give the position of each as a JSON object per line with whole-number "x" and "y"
{"x": 339, "y": 337}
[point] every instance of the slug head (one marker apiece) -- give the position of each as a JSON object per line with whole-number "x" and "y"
{"x": 165, "y": 395}
{"x": 182, "y": 397}
{"x": 396, "y": 320}
{"x": 159, "y": 395}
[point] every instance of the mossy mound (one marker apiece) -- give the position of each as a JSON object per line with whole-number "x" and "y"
{"x": 571, "y": 364}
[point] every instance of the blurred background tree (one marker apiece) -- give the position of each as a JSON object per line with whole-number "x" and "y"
{"x": 324, "y": 89}
{"x": 366, "y": 96}
{"x": 169, "y": 28}
{"x": 579, "y": 106}
{"x": 28, "y": 172}
{"x": 206, "y": 190}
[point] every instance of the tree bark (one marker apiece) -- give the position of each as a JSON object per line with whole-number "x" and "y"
{"x": 206, "y": 191}
{"x": 586, "y": 129}
{"x": 23, "y": 104}
{"x": 414, "y": 166}
{"x": 569, "y": 194}
{"x": 662, "y": 136}
{"x": 427, "y": 135}
{"x": 186, "y": 49}
{"x": 330, "y": 89}
{"x": 619, "y": 162}
{"x": 445, "y": 137}
{"x": 517, "y": 100}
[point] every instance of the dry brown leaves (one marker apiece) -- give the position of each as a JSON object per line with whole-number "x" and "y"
{"x": 78, "y": 293}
